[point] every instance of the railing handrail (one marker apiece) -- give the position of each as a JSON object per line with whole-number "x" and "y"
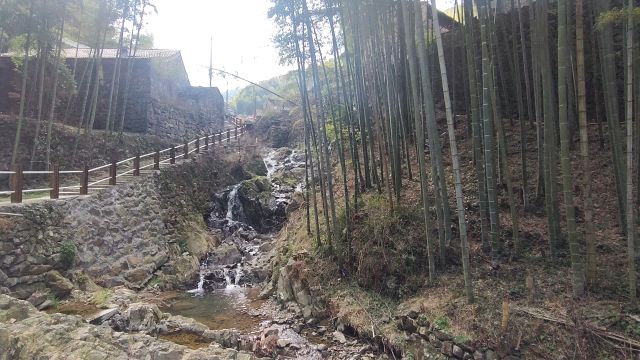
{"x": 181, "y": 151}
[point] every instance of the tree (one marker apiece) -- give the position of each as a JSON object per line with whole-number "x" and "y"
{"x": 462, "y": 222}
{"x": 631, "y": 221}
{"x": 23, "y": 93}
{"x": 577, "y": 264}
{"x": 590, "y": 259}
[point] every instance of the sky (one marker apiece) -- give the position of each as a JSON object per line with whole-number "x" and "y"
{"x": 242, "y": 38}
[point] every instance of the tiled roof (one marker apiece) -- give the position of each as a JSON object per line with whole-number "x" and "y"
{"x": 84, "y": 53}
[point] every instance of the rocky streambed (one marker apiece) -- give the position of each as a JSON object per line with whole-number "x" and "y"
{"x": 236, "y": 308}
{"x": 233, "y": 289}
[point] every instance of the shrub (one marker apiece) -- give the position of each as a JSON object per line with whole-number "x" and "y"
{"x": 102, "y": 297}
{"x": 54, "y": 300}
{"x": 68, "y": 251}
{"x": 184, "y": 246}
{"x": 388, "y": 248}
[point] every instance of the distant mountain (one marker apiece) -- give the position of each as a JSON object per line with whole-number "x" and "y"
{"x": 252, "y": 99}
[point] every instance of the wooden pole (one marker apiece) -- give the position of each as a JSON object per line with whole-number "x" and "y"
{"x": 228, "y": 135}
{"x": 17, "y": 181}
{"x": 219, "y": 137}
{"x": 54, "y": 182}
{"x": 156, "y": 160}
{"x": 235, "y": 132}
{"x": 172, "y": 155}
{"x": 186, "y": 150}
{"x": 136, "y": 165}
{"x": 206, "y": 143}
{"x": 84, "y": 181}
{"x": 113, "y": 171}
{"x": 197, "y": 145}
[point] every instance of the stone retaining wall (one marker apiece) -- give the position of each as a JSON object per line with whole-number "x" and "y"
{"x": 124, "y": 235}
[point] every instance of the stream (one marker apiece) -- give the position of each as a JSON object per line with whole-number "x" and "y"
{"x": 247, "y": 216}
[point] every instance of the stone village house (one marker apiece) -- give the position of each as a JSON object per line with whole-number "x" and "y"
{"x": 161, "y": 99}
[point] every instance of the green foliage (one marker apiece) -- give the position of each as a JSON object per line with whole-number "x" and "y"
{"x": 154, "y": 281}
{"x": 285, "y": 85}
{"x": 68, "y": 252}
{"x": 54, "y": 300}
{"x": 331, "y": 130}
{"x": 388, "y": 249}
{"x": 617, "y": 16}
{"x": 184, "y": 247}
{"x": 461, "y": 339}
{"x": 442, "y": 323}
{"x": 102, "y": 297}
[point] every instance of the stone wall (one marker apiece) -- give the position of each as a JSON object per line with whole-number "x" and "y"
{"x": 125, "y": 235}
{"x": 197, "y": 111}
{"x": 161, "y": 101}
{"x": 137, "y": 103}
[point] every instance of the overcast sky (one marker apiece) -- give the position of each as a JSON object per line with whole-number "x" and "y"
{"x": 241, "y": 34}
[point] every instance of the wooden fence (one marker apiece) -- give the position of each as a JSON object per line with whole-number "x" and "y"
{"x": 132, "y": 166}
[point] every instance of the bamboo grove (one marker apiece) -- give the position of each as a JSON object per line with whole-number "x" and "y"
{"x": 34, "y": 33}
{"x": 375, "y": 76}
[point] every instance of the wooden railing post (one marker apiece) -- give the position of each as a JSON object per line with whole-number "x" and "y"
{"x": 136, "y": 165}
{"x": 235, "y": 132}
{"x": 186, "y": 150}
{"x": 172, "y": 155}
{"x": 228, "y": 135}
{"x": 54, "y": 182}
{"x": 197, "y": 145}
{"x": 17, "y": 180}
{"x": 84, "y": 181}
{"x": 206, "y": 143}
{"x": 219, "y": 137}
{"x": 156, "y": 160}
{"x": 113, "y": 171}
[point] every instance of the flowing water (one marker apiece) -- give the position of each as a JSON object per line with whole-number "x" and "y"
{"x": 226, "y": 294}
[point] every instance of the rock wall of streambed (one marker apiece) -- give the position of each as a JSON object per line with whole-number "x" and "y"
{"x": 26, "y": 334}
{"x": 125, "y": 235}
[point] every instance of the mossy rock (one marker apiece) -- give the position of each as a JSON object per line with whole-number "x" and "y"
{"x": 259, "y": 188}
{"x": 256, "y": 166}
{"x": 286, "y": 178}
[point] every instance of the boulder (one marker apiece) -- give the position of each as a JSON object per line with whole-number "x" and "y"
{"x": 225, "y": 254}
{"x": 138, "y": 317}
{"x": 26, "y": 334}
{"x": 229, "y": 338}
{"x": 256, "y": 166}
{"x": 284, "y": 291}
{"x": 102, "y": 316}
{"x": 38, "y": 297}
{"x": 457, "y": 352}
{"x": 59, "y": 285}
{"x": 339, "y": 337}
{"x": 447, "y": 348}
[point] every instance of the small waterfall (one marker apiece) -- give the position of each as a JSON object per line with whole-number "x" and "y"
{"x": 270, "y": 164}
{"x": 216, "y": 271}
{"x": 227, "y": 277}
{"x": 238, "y": 275}
{"x": 233, "y": 202}
{"x": 200, "y": 289}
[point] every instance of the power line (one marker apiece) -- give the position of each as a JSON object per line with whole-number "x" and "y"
{"x": 253, "y": 83}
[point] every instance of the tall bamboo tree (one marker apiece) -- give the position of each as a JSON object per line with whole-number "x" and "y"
{"x": 577, "y": 262}
{"x": 455, "y": 159}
